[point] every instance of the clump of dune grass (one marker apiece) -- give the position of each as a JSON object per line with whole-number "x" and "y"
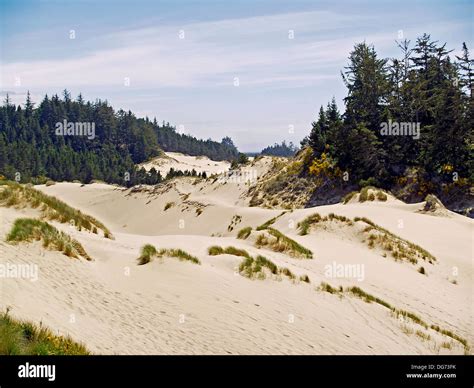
{"x": 454, "y": 336}
{"x": 305, "y": 278}
{"x": 286, "y": 272}
{"x": 28, "y": 229}
{"x": 25, "y": 338}
{"x": 270, "y": 222}
{"x": 381, "y": 196}
{"x": 253, "y": 268}
{"x": 406, "y": 315}
{"x": 15, "y": 194}
{"x": 364, "y": 194}
{"x": 168, "y": 205}
{"x": 316, "y": 218}
{"x": 348, "y": 197}
{"x": 367, "y": 297}
{"x": 282, "y": 243}
{"x": 217, "y": 250}
{"x": 399, "y": 248}
{"x": 198, "y": 212}
{"x": 147, "y": 253}
{"x": 179, "y": 254}
{"x": 423, "y": 335}
{"x": 244, "y": 233}
{"x": 328, "y": 288}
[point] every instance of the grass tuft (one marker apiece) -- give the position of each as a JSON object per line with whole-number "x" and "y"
{"x": 25, "y": 338}
{"x": 28, "y": 229}
{"x": 244, "y": 233}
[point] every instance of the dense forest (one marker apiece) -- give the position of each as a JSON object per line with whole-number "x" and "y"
{"x": 282, "y": 149}
{"x": 407, "y": 121}
{"x": 32, "y": 146}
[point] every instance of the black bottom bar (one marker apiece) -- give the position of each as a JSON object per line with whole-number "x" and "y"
{"x": 311, "y": 371}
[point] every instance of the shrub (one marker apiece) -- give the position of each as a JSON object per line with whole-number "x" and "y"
{"x": 168, "y": 205}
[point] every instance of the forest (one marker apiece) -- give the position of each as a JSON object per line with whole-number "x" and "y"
{"x": 424, "y": 89}
{"x": 32, "y": 150}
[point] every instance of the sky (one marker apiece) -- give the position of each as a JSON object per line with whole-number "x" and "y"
{"x": 256, "y": 71}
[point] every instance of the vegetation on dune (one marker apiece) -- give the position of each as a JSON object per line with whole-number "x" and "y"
{"x": 270, "y": 222}
{"x": 217, "y": 250}
{"x": 244, "y": 233}
{"x": 148, "y": 252}
{"x": 28, "y": 229}
{"x": 305, "y": 225}
{"x": 399, "y": 313}
{"x": 286, "y": 244}
{"x": 254, "y": 267}
{"x": 25, "y": 338}
{"x": 168, "y": 205}
{"x": 398, "y": 247}
{"x": 15, "y": 194}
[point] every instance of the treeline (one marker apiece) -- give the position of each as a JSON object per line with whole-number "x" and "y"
{"x": 282, "y": 149}
{"x": 108, "y": 146}
{"x": 408, "y": 115}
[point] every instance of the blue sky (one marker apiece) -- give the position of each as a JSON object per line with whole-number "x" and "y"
{"x": 212, "y": 68}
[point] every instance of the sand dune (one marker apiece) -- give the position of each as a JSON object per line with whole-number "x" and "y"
{"x": 173, "y": 307}
{"x": 183, "y": 162}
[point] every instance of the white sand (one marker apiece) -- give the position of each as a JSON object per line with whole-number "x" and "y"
{"x": 183, "y": 162}
{"x": 173, "y": 307}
